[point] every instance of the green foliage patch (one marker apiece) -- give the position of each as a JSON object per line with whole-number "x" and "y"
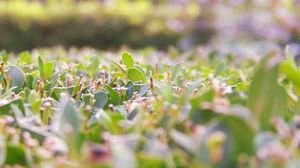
{"x": 85, "y": 108}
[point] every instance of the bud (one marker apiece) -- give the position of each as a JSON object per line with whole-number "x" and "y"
{"x": 111, "y": 107}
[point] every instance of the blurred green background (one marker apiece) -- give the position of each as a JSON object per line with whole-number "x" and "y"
{"x": 108, "y": 24}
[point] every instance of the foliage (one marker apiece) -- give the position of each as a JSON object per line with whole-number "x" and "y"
{"x": 108, "y": 24}
{"x": 85, "y": 108}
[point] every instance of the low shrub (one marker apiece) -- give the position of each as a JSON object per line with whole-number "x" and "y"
{"x": 84, "y": 108}
{"x": 108, "y": 24}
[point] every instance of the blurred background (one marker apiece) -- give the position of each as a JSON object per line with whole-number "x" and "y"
{"x": 185, "y": 24}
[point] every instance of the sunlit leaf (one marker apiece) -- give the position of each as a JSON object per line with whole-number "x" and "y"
{"x": 135, "y": 75}
{"x": 127, "y": 60}
{"x": 49, "y": 69}
{"x": 114, "y": 97}
{"x": 93, "y": 65}
{"x": 26, "y": 58}
{"x": 41, "y": 66}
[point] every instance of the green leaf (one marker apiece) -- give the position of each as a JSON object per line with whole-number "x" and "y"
{"x": 41, "y": 66}
{"x": 4, "y": 56}
{"x": 17, "y": 77}
{"x": 54, "y": 80}
{"x": 29, "y": 80}
{"x": 291, "y": 72}
{"x": 26, "y": 94}
{"x": 198, "y": 115}
{"x": 220, "y": 68}
{"x": 58, "y": 91}
{"x": 101, "y": 99}
{"x": 68, "y": 122}
{"x": 176, "y": 71}
{"x": 147, "y": 160}
{"x": 15, "y": 154}
{"x": 93, "y": 65}
{"x": 150, "y": 70}
{"x": 49, "y": 69}
{"x": 5, "y": 106}
{"x": 135, "y": 75}
{"x": 114, "y": 97}
{"x": 35, "y": 102}
{"x": 70, "y": 115}
{"x": 26, "y": 57}
{"x": 239, "y": 139}
{"x": 119, "y": 66}
{"x": 86, "y": 98}
{"x": 278, "y": 106}
{"x": 166, "y": 93}
{"x": 140, "y": 68}
{"x": 142, "y": 88}
{"x": 127, "y": 60}
{"x": 289, "y": 68}
{"x": 130, "y": 90}
{"x": 266, "y": 97}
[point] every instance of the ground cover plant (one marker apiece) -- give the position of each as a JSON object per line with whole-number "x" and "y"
{"x": 85, "y": 108}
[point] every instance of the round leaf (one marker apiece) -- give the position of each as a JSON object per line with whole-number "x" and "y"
{"x": 135, "y": 75}
{"x": 17, "y": 77}
{"x": 101, "y": 99}
{"x": 127, "y": 60}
